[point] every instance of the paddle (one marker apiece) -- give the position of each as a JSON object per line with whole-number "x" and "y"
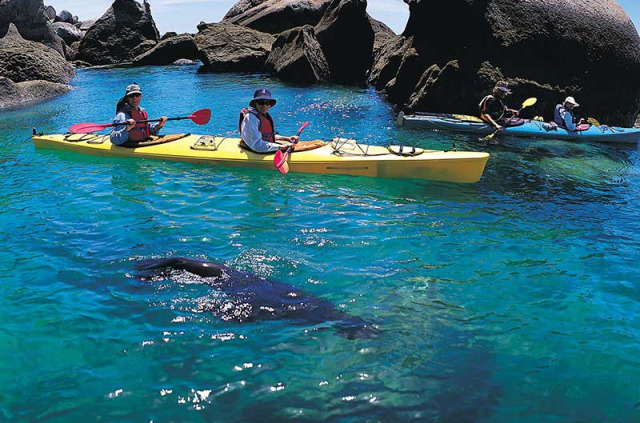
{"x": 199, "y": 117}
{"x": 280, "y": 159}
{"x": 528, "y": 102}
{"x": 593, "y": 121}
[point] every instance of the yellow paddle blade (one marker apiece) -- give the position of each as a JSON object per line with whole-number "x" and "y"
{"x": 529, "y": 102}
{"x": 593, "y": 121}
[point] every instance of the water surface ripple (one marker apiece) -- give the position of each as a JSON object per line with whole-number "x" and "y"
{"x": 511, "y": 300}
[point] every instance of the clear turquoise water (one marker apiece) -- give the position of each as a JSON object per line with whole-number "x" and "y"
{"x": 511, "y": 300}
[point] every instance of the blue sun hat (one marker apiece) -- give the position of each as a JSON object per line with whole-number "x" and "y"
{"x": 262, "y": 94}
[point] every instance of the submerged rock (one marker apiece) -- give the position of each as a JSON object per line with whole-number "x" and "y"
{"x": 549, "y": 50}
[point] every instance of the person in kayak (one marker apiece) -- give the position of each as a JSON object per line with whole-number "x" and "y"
{"x": 492, "y": 108}
{"x": 128, "y": 112}
{"x": 257, "y": 129}
{"x": 563, "y": 115}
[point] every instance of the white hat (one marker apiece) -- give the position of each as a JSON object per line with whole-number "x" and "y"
{"x": 133, "y": 89}
{"x": 571, "y": 100}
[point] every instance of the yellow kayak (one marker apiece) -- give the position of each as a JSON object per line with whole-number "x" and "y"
{"x": 339, "y": 156}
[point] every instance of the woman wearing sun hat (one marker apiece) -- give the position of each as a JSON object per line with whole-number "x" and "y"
{"x": 128, "y": 112}
{"x": 256, "y": 125}
{"x": 563, "y": 114}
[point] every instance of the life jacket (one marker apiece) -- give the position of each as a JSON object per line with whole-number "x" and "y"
{"x": 140, "y": 132}
{"x": 497, "y": 109}
{"x": 266, "y": 128}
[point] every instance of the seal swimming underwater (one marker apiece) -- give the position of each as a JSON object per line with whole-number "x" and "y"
{"x": 253, "y": 298}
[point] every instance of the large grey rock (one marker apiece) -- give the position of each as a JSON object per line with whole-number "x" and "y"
{"x": 50, "y": 12}
{"x": 547, "y": 49}
{"x": 25, "y": 93}
{"x": 240, "y": 7}
{"x": 64, "y": 16}
{"x": 31, "y": 20}
{"x": 23, "y": 60}
{"x": 275, "y": 16}
{"x": 227, "y": 47}
{"x": 85, "y": 25}
{"x": 168, "y": 51}
{"x": 124, "y": 32}
{"x": 68, "y": 32}
{"x": 346, "y": 37}
{"x": 296, "y": 56}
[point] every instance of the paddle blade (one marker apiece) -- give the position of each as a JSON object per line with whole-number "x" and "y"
{"x": 201, "y": 117}
{"x": 304, "y": 125}
{"x": 85, "y": 128}
{"x": 280, "y": 161}
{"x": 529, "y": 102}
{"x": 593, "y": 121}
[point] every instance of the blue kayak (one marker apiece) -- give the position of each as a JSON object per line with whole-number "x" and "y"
{"x": 529, "y": 128}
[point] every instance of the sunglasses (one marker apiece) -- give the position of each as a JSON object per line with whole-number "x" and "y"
{"x": 134, "y": 95}
{"x": 264, "y": 102}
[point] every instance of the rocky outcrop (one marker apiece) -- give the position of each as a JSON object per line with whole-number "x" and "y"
{"x": 544, "y": 49}
{"x": 382, "y": 36}
{"x": 346, "y": 37}
{"x": 240, "y": 7}
{"x": 296, "y": 56}
{"x": 227, "y": 47}
{"x": 124, "y": 32}
{"x": 19, "y": 94}
{"x": 275, "y": 16}
{"x": 30, "y": 19}
{"x": 168, "y": 51}
{"x": 23, "y": 60}
{"x": 68, "y": 32}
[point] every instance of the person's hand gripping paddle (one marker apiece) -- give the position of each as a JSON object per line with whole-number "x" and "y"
{"x": 280, "y": 159}
{"x": 528, "y": 102}
{"x": 200, "y": 117}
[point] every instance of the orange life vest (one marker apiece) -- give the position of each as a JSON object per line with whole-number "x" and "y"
{"x": 140, "y": 132}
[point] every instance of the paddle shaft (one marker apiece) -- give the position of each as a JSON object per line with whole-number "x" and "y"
{"x": 279, "y": 163}
{"x": 151, "y": 120}
{"x": 505, "y": 123}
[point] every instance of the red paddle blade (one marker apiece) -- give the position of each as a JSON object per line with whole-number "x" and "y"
{"x": 304, "y": 125}
{"x": 280, "y": 161}
{"x": 201, "y": 117}
{"x": 85, "y": 128}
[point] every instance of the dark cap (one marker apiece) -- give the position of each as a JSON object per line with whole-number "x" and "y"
{"x": 262, "y": 94}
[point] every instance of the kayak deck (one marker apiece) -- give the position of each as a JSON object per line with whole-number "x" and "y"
{"x": 340, "y": 156}
{"x": 529, "y": 129}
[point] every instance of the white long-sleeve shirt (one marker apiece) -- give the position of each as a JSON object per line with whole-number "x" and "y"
{"x": 250, "y": 133}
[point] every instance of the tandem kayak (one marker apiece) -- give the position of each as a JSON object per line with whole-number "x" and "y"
{"x": 529, "y": 129}
{"x": 340, "y": 156}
